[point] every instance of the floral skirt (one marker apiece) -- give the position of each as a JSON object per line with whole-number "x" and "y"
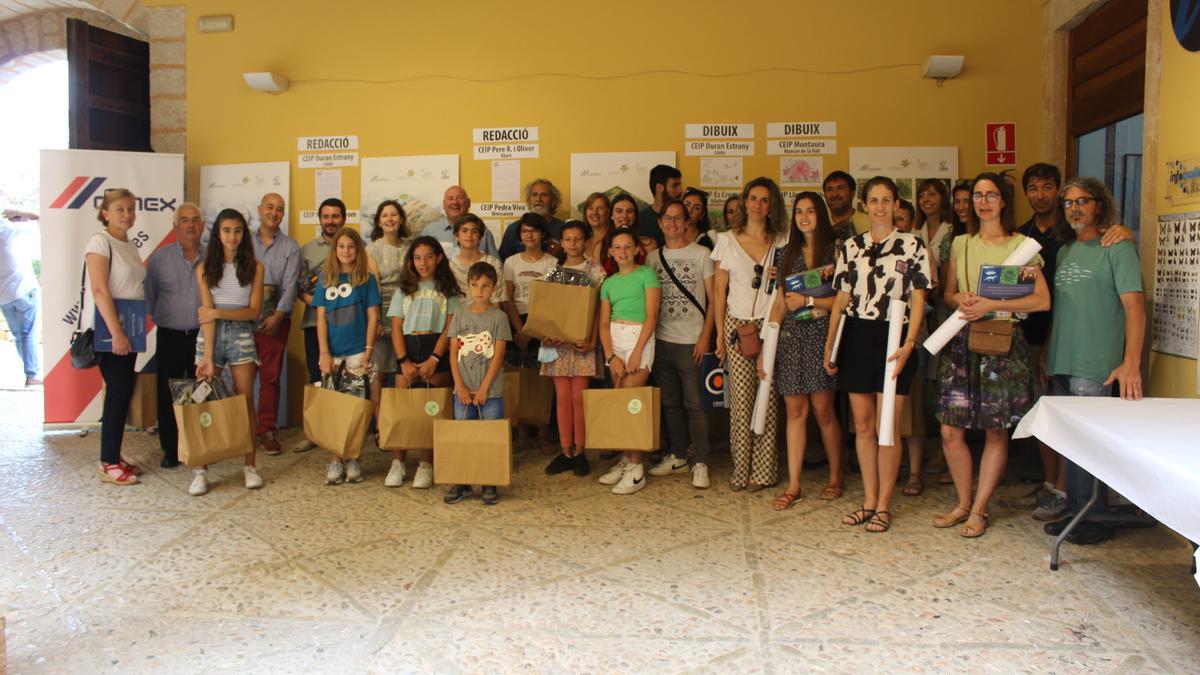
{"x": 984, "y": 392}
{"x": 570, "y": 363}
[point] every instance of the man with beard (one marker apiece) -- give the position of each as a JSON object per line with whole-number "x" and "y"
{"x": 280, "y": 256}
{"x": 542, "y": 198}
{"x": 666, "y": 183}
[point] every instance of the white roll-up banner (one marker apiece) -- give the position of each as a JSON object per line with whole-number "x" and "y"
{"x": 887, "y": 410}
{"x": 72, "y": 184}
{"x": 951, "y": 327}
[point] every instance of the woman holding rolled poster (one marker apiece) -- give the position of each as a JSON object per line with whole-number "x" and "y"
{"x": 231, "y": 293}
{"x": 629, "y": 302}
{"x": 988, "y": 391}
{"x": 115, "y": 271}
{"x": 745, "y": 258}
{"x": 575, "y": 364}
{"x": 800, "y": 377}
{"x": 875, "y": 269}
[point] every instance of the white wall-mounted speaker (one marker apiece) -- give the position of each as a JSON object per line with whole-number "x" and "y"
{"x": 942, "y": 67}
{"x": 267, "y": 82}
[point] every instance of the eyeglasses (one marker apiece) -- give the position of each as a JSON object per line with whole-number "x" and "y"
{"x": 757, "y": 281}
{"x": 1081, "y": 201}
{"x": 989, "y": 197}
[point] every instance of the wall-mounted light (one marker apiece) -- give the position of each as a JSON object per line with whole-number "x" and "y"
{"x": 942, "y": 68}
{"x": 268, "y": 82}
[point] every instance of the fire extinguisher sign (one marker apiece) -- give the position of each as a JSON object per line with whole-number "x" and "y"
{"x": 1001, "y": 143}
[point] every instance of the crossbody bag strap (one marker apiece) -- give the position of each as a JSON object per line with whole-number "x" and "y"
{"x": 662, "y": 255}
{"x": 83, "y": 283}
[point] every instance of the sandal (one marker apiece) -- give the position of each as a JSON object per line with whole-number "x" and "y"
{"x": 914, "y": 487}
{"x": 785, "y": 501}
{"x": 970, "y": 531}
{"x": 877, "y": 524}
{"x": 131, "y": 468}
{"x": 832, "y": 491}
{"x": 117, "y": 474}
{"x": 958, "y": 515}
{"x": 858, "y": 517}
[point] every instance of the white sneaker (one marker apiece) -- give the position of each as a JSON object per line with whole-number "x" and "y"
{"x": 333, "y": 473}
{"x": 700, "y": 476}
{"x": 614, "y": 474}
{"x": 634, "y": 479}
{"x": 253, "y": 480}
{"x": 353, "y": 471}
{"x": 303, "y": 446}
{"x": 199, "y": 484}
{"x": 395, "y": 477}
{"x": 424, "y": 476}
{"x": 670, "y": 464}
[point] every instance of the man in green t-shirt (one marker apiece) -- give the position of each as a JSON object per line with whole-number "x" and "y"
{"x": 1098, "y": 327}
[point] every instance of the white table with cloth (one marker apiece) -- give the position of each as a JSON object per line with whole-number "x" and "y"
{"x": 1148, "y": 451}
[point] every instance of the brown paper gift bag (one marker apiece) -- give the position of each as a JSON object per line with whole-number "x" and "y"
{"x": 472, "y": 452}
{"x": 622, "y": 419}
{"x": 527, "y": 396}
{"x": 406, "y": 416}
{"x": 214, "y": 430}
{"x": 335, "y": 421}
{"x": 143, "y": 407}
{"x": 561, "y": 311}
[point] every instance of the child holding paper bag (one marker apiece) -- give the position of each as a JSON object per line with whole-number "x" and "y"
{"x": 479, "y": 334}
{"x": 873, "y": 269}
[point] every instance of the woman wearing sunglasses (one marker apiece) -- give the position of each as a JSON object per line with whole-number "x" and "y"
{"x": 745, "y": 276}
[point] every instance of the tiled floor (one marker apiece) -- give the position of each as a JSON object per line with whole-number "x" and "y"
{"x": 560, "y": 577}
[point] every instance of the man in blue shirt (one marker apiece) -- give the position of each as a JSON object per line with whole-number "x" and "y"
{"x": 280, "y": 256}
{"x": 542, "y": 198}
{"x": 456, "y": 204}
{"x": 20, "y": 295}
{"x": 173, "y": 301}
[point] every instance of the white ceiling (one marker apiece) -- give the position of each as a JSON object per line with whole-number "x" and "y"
{"x": 11, "y": 9}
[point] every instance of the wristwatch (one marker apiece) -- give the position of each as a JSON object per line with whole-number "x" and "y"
{"x": 810, "y": 302}
{"x": 608, "y": 361}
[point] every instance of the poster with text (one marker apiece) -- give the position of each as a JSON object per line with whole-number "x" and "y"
{"x": 908, "y": 166}
{"x": 613, "y": 172}
{"x": 418, "y": 182}
{"x": 241, "y": 187}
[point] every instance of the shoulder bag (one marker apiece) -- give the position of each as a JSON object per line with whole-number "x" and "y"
{"x": 83, "y": 351}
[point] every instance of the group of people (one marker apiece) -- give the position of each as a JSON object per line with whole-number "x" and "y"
{"x": 448, "y": 309}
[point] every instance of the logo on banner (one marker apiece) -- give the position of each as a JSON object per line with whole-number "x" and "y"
{"x": 714, "y": 382}
{"x": 84, "y": 188}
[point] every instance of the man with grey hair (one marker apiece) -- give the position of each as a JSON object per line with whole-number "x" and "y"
{"x": 1098, "y": 328}
{"x": 173, "y": 301}
{"x": 456, "y": 204}
{"x": 280, "y": 256}
{"x": 542, "y": 198}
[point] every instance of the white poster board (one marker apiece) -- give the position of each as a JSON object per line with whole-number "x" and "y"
{"x": 908, "y": 166}
{"x": 418, "y": 182}
{"x": 72, "y": 184}
{"x": 613, "y": 172}
{"x": 1177, "y": 285}
{"x": 241, "y": 187}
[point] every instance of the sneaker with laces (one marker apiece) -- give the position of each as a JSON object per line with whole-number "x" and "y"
{"x": 700, "y": 476}
{"x": 579, "y": 465}
{"x": 670, "y": 464}
{"x": 613, "y": 475}
{"x": 632, "y": 480}
{"x": 253, "y": 480}
{"x": 457, "y": 493}
{"x": 199, "y": 484}
{"x": 353, "y": 471}
{"x": 1052, "y": 509}
{"x": 424, "y": 476}
{"x": 303, "y": 446}
{"x": 334, "y": 473}
{"x": 490, "y": 496}
{"x": 395, "y": 477}
{"x": 561, "y": 463}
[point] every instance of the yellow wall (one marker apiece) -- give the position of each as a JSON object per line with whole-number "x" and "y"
{"x": 1178, "y": 136}
{"x": 338, "y": 43}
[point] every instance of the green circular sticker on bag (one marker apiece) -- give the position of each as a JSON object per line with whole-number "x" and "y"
{"x": 635, "y": 406}
{"x": 432, "y": 408}
{"x": 205, "y": 419}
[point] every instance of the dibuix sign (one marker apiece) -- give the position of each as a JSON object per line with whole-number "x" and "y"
{"x": 718, "y": 131}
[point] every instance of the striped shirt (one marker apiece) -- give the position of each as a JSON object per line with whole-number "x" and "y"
{"x": 228, "y": 294}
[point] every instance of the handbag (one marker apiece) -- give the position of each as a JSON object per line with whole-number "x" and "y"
{"x": 83, "y": 352}
{"x": 989, "y": 337}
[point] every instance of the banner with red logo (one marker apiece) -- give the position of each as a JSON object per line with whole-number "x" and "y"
{"x": 72, "y": 184}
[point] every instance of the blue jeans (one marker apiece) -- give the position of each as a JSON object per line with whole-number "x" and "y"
{"x": 21, "y": 315}
{"x": 1079, "y": 482}
{"x": 492, "y": 410}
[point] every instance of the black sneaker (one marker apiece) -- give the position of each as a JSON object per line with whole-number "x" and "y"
{"x": 458, "y": 493}
{"x": 581, "y": 468}
{"x": 169, "y": 463}
{"x": 1088, "y": 533}
{"x": 559, "y": 464}
{"x": 490, "y": 496}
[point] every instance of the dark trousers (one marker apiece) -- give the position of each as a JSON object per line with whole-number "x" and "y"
{"x": 119, "y": 379}
{"x": 678, "y": 378}
{"x": 176, "y": 357}
{"x": 312, "y": 354}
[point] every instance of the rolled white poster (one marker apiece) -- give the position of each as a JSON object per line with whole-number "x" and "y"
{"x": 763, "y": 400}
{"x": 887, "y": 410}
{"x": 837, "y": 339}
{"x": 951, "y": 327}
